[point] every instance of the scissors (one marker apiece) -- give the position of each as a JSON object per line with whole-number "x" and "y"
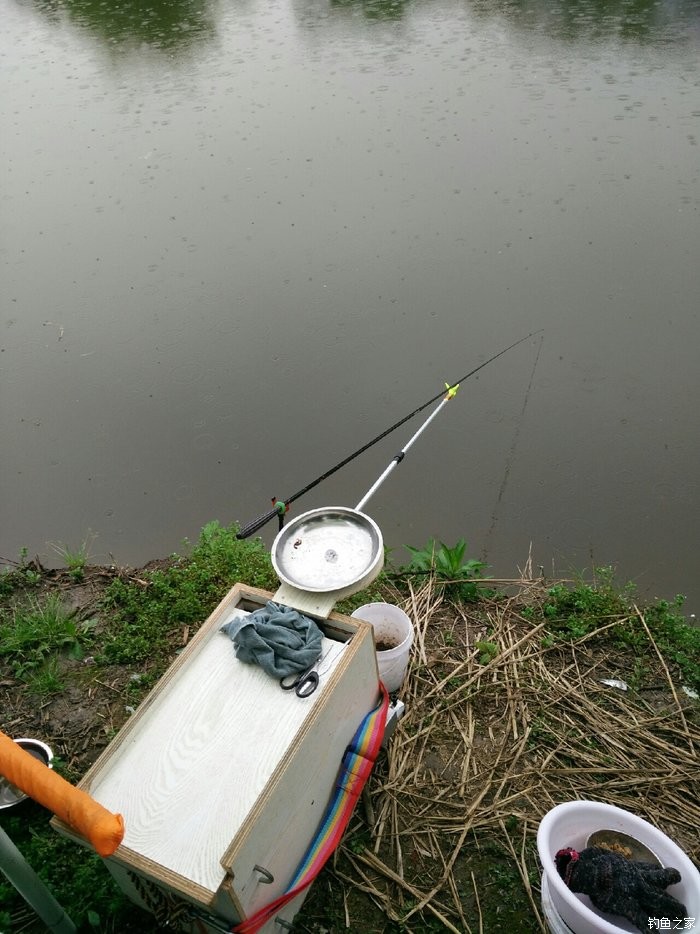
{"x": 303, "y": 683}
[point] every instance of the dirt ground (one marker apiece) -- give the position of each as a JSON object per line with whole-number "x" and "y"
{"x": 500, "y": 726}
{"x": 79, "y": 721}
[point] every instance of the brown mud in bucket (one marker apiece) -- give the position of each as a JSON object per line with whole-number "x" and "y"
{"x": 393, "y": 637}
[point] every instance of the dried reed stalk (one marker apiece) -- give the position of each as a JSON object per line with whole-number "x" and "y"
{"x": 487, "y": 748}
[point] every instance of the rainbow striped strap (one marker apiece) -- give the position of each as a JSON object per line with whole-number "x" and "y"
{"x": 355, "y": 769}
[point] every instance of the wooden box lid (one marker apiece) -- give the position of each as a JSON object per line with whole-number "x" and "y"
{"x": 190, "y": 770}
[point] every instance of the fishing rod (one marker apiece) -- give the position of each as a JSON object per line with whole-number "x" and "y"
{"x": 450, "y": 394}
{"x": 280, "y": 507}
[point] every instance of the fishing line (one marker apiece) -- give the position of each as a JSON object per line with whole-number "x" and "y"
{"x": 279, "y": 507}
{"x": 511, "y": 456}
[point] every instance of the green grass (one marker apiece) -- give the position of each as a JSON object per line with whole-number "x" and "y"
{"x": 144, "y": 617}
{"x": 572, "y": 612}
{"x": 678, "y": 642}
{"x": 34, "y": 636}
{"x": 75, "y": 876}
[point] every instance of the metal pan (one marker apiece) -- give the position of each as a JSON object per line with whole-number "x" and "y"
{"x": 9, "y": 794}
{"x": 622, "y": 843}
{"x": 328, "y": 549}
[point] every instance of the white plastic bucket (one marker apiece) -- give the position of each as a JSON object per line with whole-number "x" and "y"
{"x": 555, "y": 924}
{"x": 570, "y": 824}
{"x": 392, "y": 628}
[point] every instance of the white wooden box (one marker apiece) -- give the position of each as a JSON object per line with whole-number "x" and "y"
{"x": 220, "y": 771}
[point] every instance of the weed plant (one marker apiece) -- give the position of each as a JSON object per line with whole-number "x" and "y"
{"x": 487, "y": 651}
{"x": 19, "y": 574}
{"x": 33, "y": 638}
{"x": 75, "y": 560}
{"x": 447, "y": 564}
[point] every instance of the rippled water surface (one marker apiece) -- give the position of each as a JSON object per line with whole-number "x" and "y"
{"x": 241, "y": 239}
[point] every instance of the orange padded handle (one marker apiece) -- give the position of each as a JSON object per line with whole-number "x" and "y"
{"x": 104, "y": 830}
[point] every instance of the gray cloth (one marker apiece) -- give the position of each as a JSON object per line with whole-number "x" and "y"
{"x": 277, "y": 638}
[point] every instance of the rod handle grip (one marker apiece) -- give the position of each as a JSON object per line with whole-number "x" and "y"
{"x": 256, "y": 524}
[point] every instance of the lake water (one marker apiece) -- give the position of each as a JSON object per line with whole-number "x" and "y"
{"x": 241, "y": 239}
